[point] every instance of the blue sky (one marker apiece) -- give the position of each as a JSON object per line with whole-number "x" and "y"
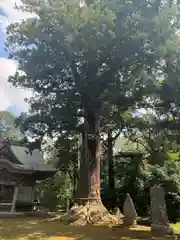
{"x": 2, "y": 12}
{"x": 3, "y": 53}
{"x": 11, "y": 98}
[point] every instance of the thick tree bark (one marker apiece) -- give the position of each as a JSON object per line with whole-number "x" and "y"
{"x": 111, "y": 177}
{"x": 88, "y": 207}
{"x": 89, "y": 183}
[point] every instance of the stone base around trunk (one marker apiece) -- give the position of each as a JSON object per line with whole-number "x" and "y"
{"x": 162, "y": 229}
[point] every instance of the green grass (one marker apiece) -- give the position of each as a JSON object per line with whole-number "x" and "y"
{"x": 176, "y": 227}
{"x": 36, "y": 229}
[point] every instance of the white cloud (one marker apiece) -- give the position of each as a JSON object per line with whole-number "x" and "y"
{"x": 10, "y": 96}
{"x": 12, "y": 15}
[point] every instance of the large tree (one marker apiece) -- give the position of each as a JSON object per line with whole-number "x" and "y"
{"x": 86, "y": 64}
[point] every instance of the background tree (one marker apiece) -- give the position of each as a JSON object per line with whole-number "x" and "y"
{"x": 55, "y": 193}
{"x": 8, "y": 127}
{"x": 65, "y": 155}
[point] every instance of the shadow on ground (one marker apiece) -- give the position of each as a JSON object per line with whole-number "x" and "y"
{"x": 30, "y": 229}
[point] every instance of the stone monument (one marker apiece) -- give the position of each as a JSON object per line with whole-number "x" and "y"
{"x": 118, "y": 214}
{"x": 159, "y": 216}
{"x": 130, "y": 213}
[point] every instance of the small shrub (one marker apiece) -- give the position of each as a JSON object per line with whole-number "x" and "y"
{"x": 173, "y": 207}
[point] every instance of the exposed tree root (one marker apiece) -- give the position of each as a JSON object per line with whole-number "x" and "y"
{"x": 90, "y": 213}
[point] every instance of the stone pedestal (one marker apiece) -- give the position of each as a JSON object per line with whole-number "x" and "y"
{"x": 160, "y": 228}
{"x": 129, "y": 222}
{"x": 159, "y": 216}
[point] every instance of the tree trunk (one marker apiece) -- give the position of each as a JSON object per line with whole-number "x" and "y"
{"x": 111, "y": 177}
{"x": 89, "y": 183}
{"x": 88, "y": 207}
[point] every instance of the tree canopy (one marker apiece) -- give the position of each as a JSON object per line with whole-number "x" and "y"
{"x": 101, "y": 53}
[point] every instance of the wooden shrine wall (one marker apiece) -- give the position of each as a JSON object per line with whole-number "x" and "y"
{"x": 25, "y": 194}
{"x": 8, "y": 178}
{"x": 25, "y": 184}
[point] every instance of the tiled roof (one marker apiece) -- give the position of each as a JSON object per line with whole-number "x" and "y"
{"x": 21, "y": 159}
{"x": 32, "y": 160}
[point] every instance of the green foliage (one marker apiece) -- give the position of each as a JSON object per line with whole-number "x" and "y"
{"x": 173, "y": 207}
{"x": 102, "y": 56}
{"x": 55, "y": 192}
{"x": 8, "y": 127}
{"x": 136, "y": 177}
{"x": 65, "y": 155}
